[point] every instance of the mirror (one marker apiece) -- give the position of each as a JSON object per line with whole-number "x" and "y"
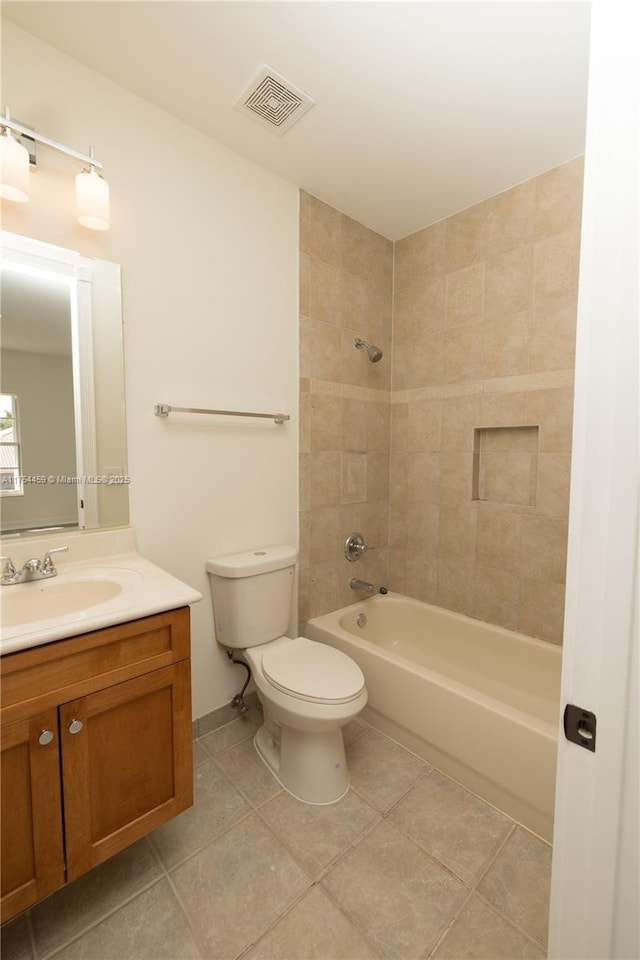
{"x": 62, "y": 406}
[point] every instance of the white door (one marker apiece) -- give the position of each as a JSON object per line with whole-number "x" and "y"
{"x": 595, "y": 895}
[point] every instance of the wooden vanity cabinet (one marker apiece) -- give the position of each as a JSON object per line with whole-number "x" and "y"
{"x": 96, "y": 750}
{"x": 32, "y": 838}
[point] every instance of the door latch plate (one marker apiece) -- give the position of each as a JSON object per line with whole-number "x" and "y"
{"x": 580, "y": 726}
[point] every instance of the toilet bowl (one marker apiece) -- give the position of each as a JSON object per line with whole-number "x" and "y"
{"x": 308, "y": 690}
{"x": 307, "y": 695}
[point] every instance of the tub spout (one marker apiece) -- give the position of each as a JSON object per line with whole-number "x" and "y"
{"x": 356, "y": 584}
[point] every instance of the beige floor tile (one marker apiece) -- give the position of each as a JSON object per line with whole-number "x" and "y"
{"x": 87, "y": 900}
{"x": 240, "y": 729}
{"x": 478, "y": 933}
{"x": 451, "y": 824}
{"x": 518, "y": 882}
{"x": 388, "y": 892}
{"x": 200, "y": 755}
{"x": 237, "y": 887}
{"x": 313, "y": 930}
{"x": 15, "y": 942}
{"x": 318, "y": 834}
{"x": 151, "y": 927}
{"x": 395, "y": 892}
{"x": 217, "y": 805}
{"x": 216, "y": 719}
{"x": 248, "y": 773}
{"x": 380, "y": 770}
{"x": 354, "y": 729}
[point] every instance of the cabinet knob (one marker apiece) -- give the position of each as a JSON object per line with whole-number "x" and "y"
{"x": 75, "y": 726}
{"x": 46, "y": 736}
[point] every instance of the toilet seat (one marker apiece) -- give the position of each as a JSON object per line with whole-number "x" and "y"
{"x": 312, "y": 671}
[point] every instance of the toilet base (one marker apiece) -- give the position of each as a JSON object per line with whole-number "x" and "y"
{"x": 310, "y": 766}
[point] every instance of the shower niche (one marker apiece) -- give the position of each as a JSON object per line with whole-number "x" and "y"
{"x": 505, "y": 465}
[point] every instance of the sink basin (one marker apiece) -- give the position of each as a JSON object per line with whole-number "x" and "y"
{"x": 45, "y": 599}
{"x": 103, "y": 586}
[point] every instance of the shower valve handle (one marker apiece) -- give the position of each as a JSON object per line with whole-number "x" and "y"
{"x": 355, "y": 547}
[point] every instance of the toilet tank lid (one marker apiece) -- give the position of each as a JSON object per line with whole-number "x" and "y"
{"x": 253, "y": 562}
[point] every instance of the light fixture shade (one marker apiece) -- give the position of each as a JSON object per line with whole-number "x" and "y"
{"x": 14, "y": 169}
{"x": 92, "y": 199}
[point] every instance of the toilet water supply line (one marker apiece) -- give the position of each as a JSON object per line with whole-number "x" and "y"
{"x": 238, "y": 701}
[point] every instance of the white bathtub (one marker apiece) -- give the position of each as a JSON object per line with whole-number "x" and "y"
{"x": 479, "y": 702}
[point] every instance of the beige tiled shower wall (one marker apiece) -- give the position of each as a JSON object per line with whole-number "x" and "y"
{"x": 346, "y": 273}
{"x": 483, "y": 338}
{"x": 484, "y": 308}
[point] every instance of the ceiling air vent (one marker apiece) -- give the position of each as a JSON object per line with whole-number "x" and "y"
{"x": 273, "y": 101}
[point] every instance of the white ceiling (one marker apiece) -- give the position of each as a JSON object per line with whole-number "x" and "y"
{"x": 422, "y": 108}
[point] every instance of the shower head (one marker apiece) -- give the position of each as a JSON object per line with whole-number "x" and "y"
{"x": 374, "y": 353}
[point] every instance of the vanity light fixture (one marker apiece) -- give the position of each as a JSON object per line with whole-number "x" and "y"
{"x": 92, "y": 190}
{"x": 92, "y": 197}
{"x": 14, "y": 167}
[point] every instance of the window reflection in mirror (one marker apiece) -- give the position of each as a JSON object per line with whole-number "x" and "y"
{"x": 63, "y": 442}
{"x": 10, "y": 459}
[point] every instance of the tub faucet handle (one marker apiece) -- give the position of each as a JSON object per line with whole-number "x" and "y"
{"x": 355, "y": 547}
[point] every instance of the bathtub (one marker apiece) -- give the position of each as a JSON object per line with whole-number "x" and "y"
{"x": 478, "y": 702}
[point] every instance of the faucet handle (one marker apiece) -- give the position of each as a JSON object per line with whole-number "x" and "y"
{"x": 9, "y": 569}
{"x": 47, "y": 563}
{"x": 355, "y": 547}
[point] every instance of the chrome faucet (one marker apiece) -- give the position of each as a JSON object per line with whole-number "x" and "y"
{"x": 33, "y": 569}
{"x": 362, "y": 585}
{"x": 355, "y": 547}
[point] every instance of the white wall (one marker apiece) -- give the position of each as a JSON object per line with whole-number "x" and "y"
{"x": 208, "y": 247}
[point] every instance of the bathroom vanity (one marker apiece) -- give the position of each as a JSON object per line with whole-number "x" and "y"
{"x": 95, "y": 728}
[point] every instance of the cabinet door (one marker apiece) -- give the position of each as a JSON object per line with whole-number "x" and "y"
{"x": 126, "y": 763}
{"x": 32, "y": 846}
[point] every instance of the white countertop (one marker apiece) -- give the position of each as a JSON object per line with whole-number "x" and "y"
{"x": 140, "y": 589}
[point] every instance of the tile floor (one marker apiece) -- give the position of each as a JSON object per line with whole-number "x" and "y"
{"x": 408, "y": 865}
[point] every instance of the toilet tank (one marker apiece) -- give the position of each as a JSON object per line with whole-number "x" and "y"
{"x": 251, "y": 594}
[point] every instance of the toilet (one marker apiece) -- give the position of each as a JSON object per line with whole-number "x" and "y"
{"x": 308, "y": 690}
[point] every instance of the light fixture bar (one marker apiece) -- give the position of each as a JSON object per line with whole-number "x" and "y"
{"x": 21, "y": 128}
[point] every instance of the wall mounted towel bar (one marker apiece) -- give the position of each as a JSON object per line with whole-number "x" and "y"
{"x": 163, "y": 410}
